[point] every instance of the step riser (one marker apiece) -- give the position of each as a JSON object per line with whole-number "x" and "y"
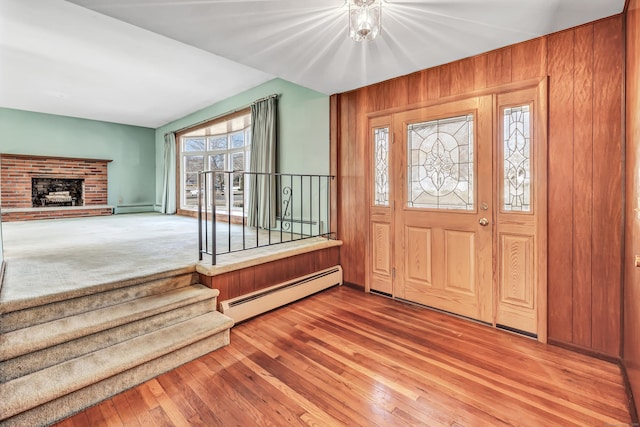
{"x": 38, "y": 388}
{"x": 45, "y": 313}
{"x": 28, "y": 340}
{"x": 32, "y": 362}
{"x": 65, "y": 406}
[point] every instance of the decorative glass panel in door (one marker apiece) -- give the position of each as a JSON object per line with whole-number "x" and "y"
{"x": 381, "y": 165}
{"x": 516, "y": 159}
{"x": 440, "y": 162}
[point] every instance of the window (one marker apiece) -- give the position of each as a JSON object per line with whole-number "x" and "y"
{"x": 516, "y": 159}
{"x": 440, "y": 164}
{"x": 381, "y": 165}
{"x": 225, "y": 146}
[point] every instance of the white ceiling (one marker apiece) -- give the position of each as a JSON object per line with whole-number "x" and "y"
{"x": 147, "y": 62}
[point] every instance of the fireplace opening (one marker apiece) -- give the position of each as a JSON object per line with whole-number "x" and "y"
{"x": 50, "y": 192}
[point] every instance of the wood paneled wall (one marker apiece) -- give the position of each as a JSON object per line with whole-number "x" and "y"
{"x": 585, "y": 167}
{"x": 250, "y": 279}
{"x": 631, "y": 355}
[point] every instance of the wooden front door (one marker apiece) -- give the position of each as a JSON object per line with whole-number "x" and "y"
{"x": 443, "y": 238}
{"x": 455, "y": 217}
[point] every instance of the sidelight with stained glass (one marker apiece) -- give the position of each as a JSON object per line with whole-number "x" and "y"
{"x": 516, "y": 159}
{"x": 381, "y": 162}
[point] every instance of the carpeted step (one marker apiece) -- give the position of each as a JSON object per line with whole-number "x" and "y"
{"x": 41, "y": 359}
{"x": 75, "y": 384}
{"x": 16, "y": 316}
{"x": 34, "y": 338}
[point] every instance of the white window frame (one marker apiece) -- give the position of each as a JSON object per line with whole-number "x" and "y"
{"x": 186, "y": 191}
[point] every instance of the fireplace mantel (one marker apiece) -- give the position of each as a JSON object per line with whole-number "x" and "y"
{"x": 33, "y": 156}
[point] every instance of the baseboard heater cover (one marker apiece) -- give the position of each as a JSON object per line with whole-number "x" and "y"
{"x": 255, "y": 303}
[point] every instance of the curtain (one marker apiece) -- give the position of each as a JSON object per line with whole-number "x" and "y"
{"x": 169, "y": 178}
{"x": 263, "y": 198}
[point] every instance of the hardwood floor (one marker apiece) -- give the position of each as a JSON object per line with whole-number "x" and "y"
{"x": 343, "y": 357}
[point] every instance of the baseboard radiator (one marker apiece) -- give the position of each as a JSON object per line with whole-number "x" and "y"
{"x": 255, "y": 303}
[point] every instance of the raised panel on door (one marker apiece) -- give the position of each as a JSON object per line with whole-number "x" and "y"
{"x": 381, "y": 257}
{"x": 418, "y": 255}
{"x": 516, "y": 286}
{"x": 381, "y": 248}
{"x": 516, "y": 270}
{"x": 459, "y": 262}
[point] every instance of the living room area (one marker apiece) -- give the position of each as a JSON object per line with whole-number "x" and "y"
{"x": 452, "y": 208}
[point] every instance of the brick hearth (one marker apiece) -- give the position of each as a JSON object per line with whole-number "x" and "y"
{"x": 16, "y": 175}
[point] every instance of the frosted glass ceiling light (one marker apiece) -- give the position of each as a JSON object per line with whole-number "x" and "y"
{"x": 364, "y": 19}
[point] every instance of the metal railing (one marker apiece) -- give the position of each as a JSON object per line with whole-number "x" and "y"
{"x": 245, "y": 210}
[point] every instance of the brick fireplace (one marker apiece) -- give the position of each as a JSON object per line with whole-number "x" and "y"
{"x": 42, "y": 187}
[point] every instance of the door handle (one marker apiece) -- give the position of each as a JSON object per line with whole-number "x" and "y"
{"x": 484, "y": 222}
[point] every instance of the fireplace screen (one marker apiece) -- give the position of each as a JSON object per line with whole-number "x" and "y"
{"x": 57, "y": 192}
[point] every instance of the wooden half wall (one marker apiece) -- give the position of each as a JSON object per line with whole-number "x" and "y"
{"x": 585, "y": 67}
{"x": 256, "y": 277}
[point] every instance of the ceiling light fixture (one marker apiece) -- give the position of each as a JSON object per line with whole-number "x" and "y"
{"x": 364, "y": 19}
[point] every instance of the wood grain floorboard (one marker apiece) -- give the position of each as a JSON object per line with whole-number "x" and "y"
{"x": 342, "y": 357}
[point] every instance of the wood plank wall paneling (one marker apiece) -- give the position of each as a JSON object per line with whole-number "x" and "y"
{"x": 608, "y": 163}
{"x": 334, "y": 159}
{"x": 416, "y": 87}
{"x": 529, "y": 59}
{"x": 560, "y": 187}
{"x": 631, "y": 356}
{"x": 584, "y": 66}
{"x": 480, "y": 71}
{"x": 350, "y": 191}
{"x": 251, "y": 279}
{"x": 582, "y": 182}
{"x": 433, "y": 83}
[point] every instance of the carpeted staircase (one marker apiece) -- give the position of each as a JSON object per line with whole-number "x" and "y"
{"x": 61, "y": 356}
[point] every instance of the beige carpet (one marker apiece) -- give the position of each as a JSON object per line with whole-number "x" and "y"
{"x": 58, "y": 256}
{"x": 72, "y": 256}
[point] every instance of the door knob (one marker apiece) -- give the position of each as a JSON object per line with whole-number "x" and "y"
{"x": 484, "y": 222}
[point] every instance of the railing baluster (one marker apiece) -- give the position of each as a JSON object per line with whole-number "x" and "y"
{"x": 199, "y": 217}
{"x": 270, "y": 206}
{"x": 244, "y": 200}
{"x": 310, "y": 204}
{"x": 281, "y": 194}
{"x": 301, "y": 205}
{"x": 229, "y": 194}
{"x": 206, "y": 219}
{"x": 319, "y": 205}
{"x": 329, "y": 179}
{"x": 293, "y": 205}
{"x": 214, "y": 229}
{"x": 257, "y": 219}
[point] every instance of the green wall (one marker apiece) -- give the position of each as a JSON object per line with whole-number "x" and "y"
{"x": 303, "y": 127}
{"x": 132, "y": 149}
